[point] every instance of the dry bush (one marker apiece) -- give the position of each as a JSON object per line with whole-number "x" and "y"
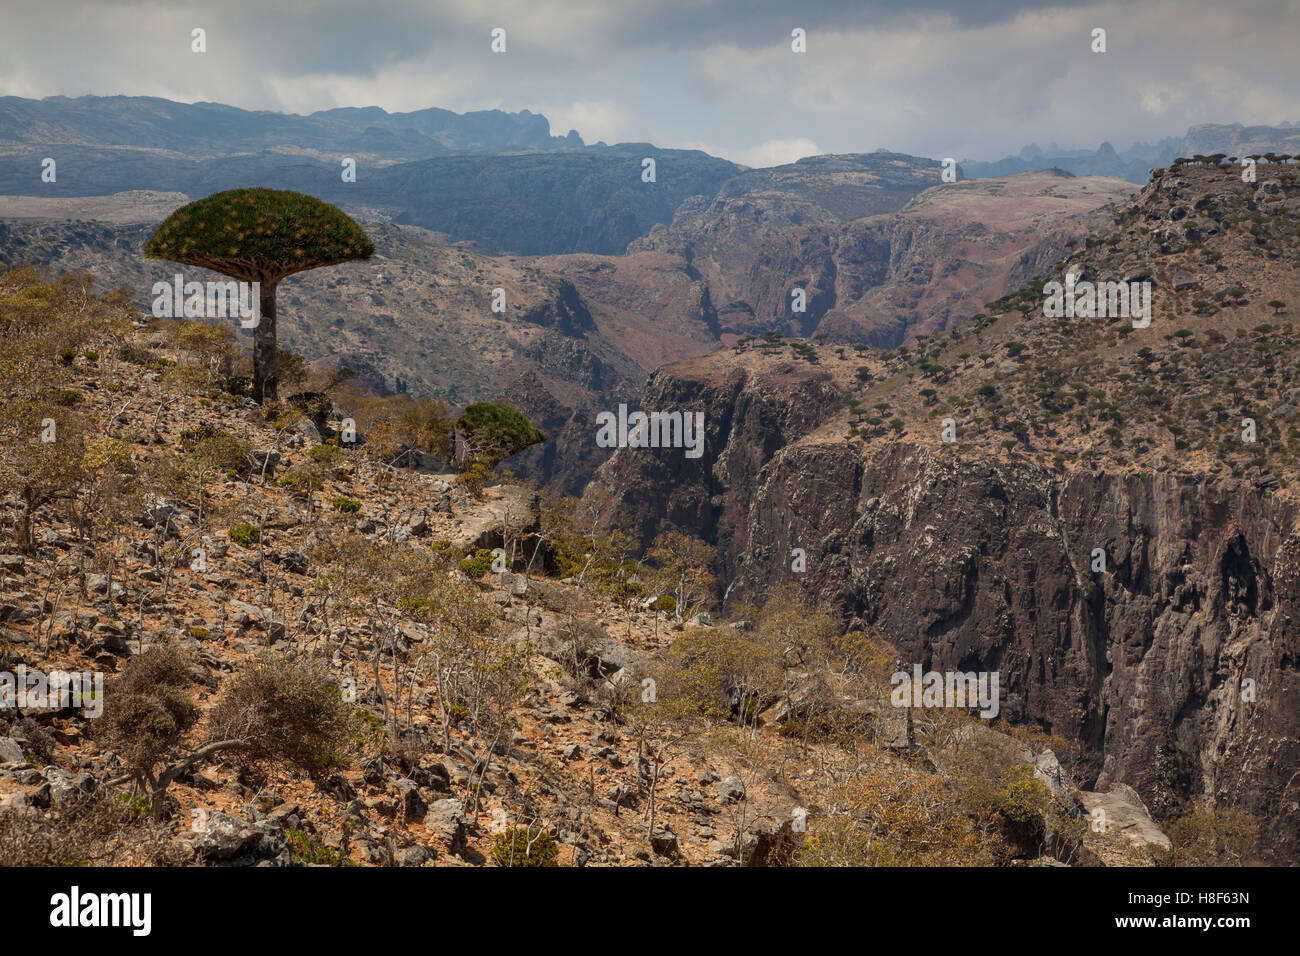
{"x": 148, "y": 711}
{"x": 91, "y": 829}
{"x": 893, "y": 815}
{"x": 290, "y": 711}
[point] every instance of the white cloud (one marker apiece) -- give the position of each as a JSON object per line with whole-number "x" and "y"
{"x": 405, "y": 87}
{"x": 594, "y": 120}
{"x": 775, "y": 152}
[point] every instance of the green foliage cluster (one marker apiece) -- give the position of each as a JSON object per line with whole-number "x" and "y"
{"x": 307, "y": 848}
{"x": 478, "y": 564}
{"x": 245, "y": 535}
{"x": 325, "y": 454}
{"x": 301, "y": 481}
{"x": 494, "y": 432}
{"x": 216, "y": 448}
{"x": 512, "y": 848}
{"x": 259, "y": 234}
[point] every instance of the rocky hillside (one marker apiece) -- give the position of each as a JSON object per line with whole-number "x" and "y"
{"x": 416, "y": 319}
{"x": 308, "y": 659}
{"x": 1103, "y": 513}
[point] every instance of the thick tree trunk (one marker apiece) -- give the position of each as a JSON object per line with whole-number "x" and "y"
{"x": 266, "y": 366}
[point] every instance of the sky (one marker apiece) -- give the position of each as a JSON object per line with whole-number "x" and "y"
{"x": 972, "y": 79}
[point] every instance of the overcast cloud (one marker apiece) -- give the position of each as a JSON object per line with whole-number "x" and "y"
{"x": 975, "y": 79}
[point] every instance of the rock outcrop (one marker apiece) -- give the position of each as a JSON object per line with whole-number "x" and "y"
{"x": 1175, "y": 668}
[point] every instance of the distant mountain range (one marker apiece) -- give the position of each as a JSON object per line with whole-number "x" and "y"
{"x": 209, "y": 130}
{"x": 500, "y": 180}
{"x": 1136, "y": 163}
{"x": 493, "y": 178}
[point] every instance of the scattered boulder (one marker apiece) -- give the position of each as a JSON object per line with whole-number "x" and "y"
{"x": 64, "y": 784}
{"x": 730, "y": 790}
{"x": 664, "y": 841}
{"x": 446, "y": 820}
{"x": 294, "y": 562}
{"x": 264, "y": 461}
{"x": 415, "y": 855}
{"x": 11, "y": 751}
{"x": 413, "y": 805}
{"x": 432, "y": 776}
{"x": 100, "y": 584}
{"x": 224, "y": 837}
{"x": 1125, "y": 814}
{"x": 417, "y": 523}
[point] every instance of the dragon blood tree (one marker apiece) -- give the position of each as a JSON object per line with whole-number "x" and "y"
{"x": 260, "y": 235}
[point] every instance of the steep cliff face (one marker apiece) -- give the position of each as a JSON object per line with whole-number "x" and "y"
{"x": 748, "y": 413}
{"x": 985, "y": 563}
{"x": 912, "y": 260}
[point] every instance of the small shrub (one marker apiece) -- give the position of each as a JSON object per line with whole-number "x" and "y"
{"x": 109, "y": 452}
{"x": 301, "y": 481}
{"x": 444, "y": 552}
{"x": 287, "y": 711}
{"x": 216, "y": 447}
{"x": 512, "y": 848}
{"x": 478, "y": 564}
{"x": 67, "y": 397}
{"x": 315, "y": 405}
{"x": 474, "y": 478}
{"x": 325, "y": 454}
{"x": 135, "y": 354}
{"x": 346, "y": 505}
{"x": 149, "y": 710}
{"x": 134, "y": 806}
{"x": 306, "y": 848}
{"x": 40, "y": 743}
{"x": 245, "y": 535}
{"x": 241, "y": 386}
{"x": 665, "y": 602}
{"x": 1020, "y": 797}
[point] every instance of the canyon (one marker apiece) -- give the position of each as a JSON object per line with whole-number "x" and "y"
{"x": 1175, "y": 669}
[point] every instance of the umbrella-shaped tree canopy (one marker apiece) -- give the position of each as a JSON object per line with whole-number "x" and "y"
{"x": 260, "y": 235}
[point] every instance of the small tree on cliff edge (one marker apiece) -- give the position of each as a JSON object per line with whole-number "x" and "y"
{"x": 487, "y": 433}
{"x": 260, "y": 235}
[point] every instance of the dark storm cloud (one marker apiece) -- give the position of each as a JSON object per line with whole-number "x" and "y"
{"x": 757, "y": 21}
